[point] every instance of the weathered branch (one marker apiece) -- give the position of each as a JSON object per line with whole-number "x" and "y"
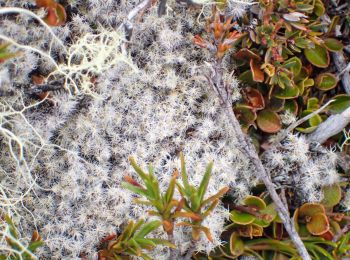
{"x": 224, "y": 93}
{"x": 127, "y": 24}
{"x": 340, "y": 64}
{"x": 332, "y": 126}
{"x": 162, "y": 7}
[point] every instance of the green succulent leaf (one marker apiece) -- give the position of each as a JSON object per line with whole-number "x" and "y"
{"x": 333, "y": 44}
{"x": 326, "y": 81}
{"x": 331, "y": 195}
{"x": 341, "y": 102}
{"x": 287, "y": 93}
{"x": 241, "y": 218}
{"x": 255, "y": 201}
{"x": 236, "y": 245}
{"x": 319, "y": 8}
{"x": 293, "y": 64}
{"x": 318, "y": 56}
{"x": 247, "y": 77}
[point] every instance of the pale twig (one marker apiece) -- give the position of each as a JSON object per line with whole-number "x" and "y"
{"x": 344, "y": 230}
{"x": 332, "y": 126}
{"x": 305, "y": 118}
{"x": 224, "y": 93}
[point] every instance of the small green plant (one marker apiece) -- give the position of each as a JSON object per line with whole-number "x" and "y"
{"x": 132, "y": 241}
{"x": 18, "y": 250}
{"x": 192, "y": 206}
{"x": 195, "y": 202}
{"x": 166, "y": 207}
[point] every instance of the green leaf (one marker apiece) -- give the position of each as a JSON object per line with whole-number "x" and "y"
{"x": 146, "y": 243}
{"x": 241, "y": 218}
{"x": 292, "y": 106}
{"x": 133, "y": 163}
{"x": 236, "y": 245}
{"x": 205, "y": 181}
{"x": 331, "y": 195}
{"x": 293, "y": 64}
{"x": 306, "y": 130}
{"x": 35, "y": 245}
{"x": 304, "y": 8}
{"x": 319, "y": 8}
{"x": 246, "y": 77}
{"x": 127, "y": 231}
{"x": 135, "y": 189}
{"x": 136, "y": 226}
{"x": 301, "y": 42}
{"x": 287, "y": 93}
{"x": 333, "y": 45}
{"x": 148, "y": 228}
{"x": 162, "y": 242}
{"x": 318, "y": 56}
{"x": 254, "y": 201}
{"x": 341, "y": 103}
{"x": 269, "y": 121}
{"x": 326, "y": 81}
{"x": 12, "y": 228}
{"x": 170, "y": 191}
{"x": 135, "y": 247}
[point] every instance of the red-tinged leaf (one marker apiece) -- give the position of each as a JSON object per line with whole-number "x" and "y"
{"x": 206, "y": 232}
{"x": 45, "y": 3}
{"x": 258, "y": 74}
{"x": 56, "y": 15}
{"x": 108, "y": 238}
{"x": 310, "y": 209}
{"x": 254, "y": 98}
{"x": 199, "y": 41}
{"x": 318, "y": 224}
{"x": 35, "y": 236}
{"x": 328, "y": 235}
{"x": 191, "y": 215}
{"x": 246, "y": 54}
{"x": 38, "y": 79}
{"x": 132, "y": 181}
{"x": 299, "y": 26}
{"x": 168, "y": 226}
{"x": 218, "y": 195}
{"x": 269, "y": 121}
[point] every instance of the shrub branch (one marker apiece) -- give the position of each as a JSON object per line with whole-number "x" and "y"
{"x": 224, "y": 93}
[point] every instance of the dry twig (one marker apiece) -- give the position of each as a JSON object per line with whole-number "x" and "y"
{"x": 224, "y": 93}
{"x": 332, "y": 126}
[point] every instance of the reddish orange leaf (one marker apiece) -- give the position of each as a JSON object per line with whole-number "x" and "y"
{"x": 258, "y": 74}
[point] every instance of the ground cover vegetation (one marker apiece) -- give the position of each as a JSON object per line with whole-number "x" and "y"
{"x": 188, "y": 129}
